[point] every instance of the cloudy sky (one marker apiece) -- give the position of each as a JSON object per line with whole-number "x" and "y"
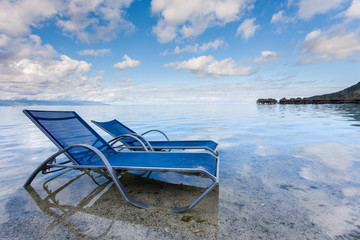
{"x": 165, "y": 51}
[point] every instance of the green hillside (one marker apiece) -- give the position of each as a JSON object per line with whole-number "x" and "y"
{"x": 350, "y": 92}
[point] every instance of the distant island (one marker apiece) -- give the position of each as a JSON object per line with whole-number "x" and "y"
{"x": 348, "y": 95}
{"x": 25, "y": 102}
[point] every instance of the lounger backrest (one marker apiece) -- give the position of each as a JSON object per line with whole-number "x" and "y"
{"x": 114, "y": 128}
{"x": 66, "y": 128}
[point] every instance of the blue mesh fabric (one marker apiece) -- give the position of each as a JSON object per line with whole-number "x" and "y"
{"x": 174, "y": 160}
{"x": 182, "y": 144}
{"x": 116, "y": 128}
{"x": 67, "y": 128}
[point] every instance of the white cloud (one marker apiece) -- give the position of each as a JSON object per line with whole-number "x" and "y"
{"x": 54, "y": 69}
{"x": 4, "y": 40}
{"x": 87, "y": 20}
{"x": 95, "y": 20}
{"x": 280, "y": 18}
{"x": 354, "y": 10}
{"x": 27, "y": 47}
{"x": 188, "y": 48}
{"x": 196, "y": 47}
{"x": 31, "y": 70}
{"x": 331, "y": 45}
{"x": 16, "y": 17}
{"x": 94, "y": 52}
{"x": 127, "y": 63}
{"x": 209, "y": 66}
{"x": 309, "y": 8}
{"x": 190, "y": 18}
{"x": 247, "y": 28}
{"x": 212, "y": 45}
{"x": 45, "y": 79}
{"x": 313, "y": 35}
{"x": 126, "y": 82}
{"x": 267, "y": 56}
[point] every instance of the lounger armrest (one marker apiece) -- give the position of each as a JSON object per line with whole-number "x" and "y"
{"x": 62, "y": 151}
{"x": 142, "y": 138}
{"x": 155, "y": 130}
{"x": 111, "y": 172}
{"x": 119, "y": 138}
{"x": 87, "y": 146}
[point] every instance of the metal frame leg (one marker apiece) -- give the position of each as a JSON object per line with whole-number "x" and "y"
{"x": 40, "y": 168}
{"x": 196, "y": 201}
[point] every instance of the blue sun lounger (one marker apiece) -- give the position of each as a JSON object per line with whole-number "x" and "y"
{"x": 121, "y": 132}
{"x": 85, "y": 149}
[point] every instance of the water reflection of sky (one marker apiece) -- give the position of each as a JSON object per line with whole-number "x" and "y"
{"x": 306, "y": 153}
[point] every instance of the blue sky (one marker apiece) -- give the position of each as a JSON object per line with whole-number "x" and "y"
{"x": 177, "y": 51}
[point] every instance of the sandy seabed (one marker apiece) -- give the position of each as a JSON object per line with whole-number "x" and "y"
{"x": 87, "y": 205}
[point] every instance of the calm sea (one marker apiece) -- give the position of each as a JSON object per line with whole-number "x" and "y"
{"x": 293, "y": 167}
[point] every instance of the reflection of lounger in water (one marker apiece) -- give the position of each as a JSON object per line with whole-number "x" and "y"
{"x": 96, "y": 212}
{"x": 87, "y": 150}
{"x": 119, "y": 132}
{"x": 62, "y": 213}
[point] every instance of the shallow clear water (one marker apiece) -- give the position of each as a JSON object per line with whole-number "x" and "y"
{"x": 285, "y": 170}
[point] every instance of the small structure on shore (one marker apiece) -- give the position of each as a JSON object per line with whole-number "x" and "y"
{"x": 266, "y": 101}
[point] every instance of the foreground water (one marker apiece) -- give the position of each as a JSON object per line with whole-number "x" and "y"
{"x": 286, "y": 172}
